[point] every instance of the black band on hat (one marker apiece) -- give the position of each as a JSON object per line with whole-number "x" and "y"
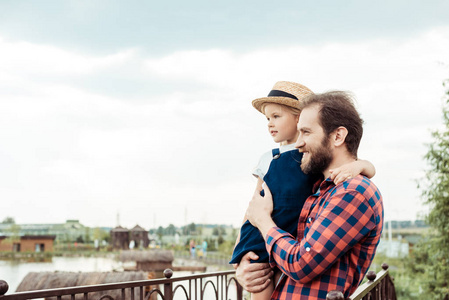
{"x": 277, "y": 93}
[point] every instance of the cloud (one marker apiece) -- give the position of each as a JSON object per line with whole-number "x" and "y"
{"x": 32, "y": 59}
{"x": 73, "y": 140}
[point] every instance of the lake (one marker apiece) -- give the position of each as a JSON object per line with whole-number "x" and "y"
{"x": 14, "y": 271}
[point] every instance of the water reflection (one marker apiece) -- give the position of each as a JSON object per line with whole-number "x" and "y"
{"x": 13, "y": 271}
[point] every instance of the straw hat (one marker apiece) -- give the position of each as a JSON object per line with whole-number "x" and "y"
{"x": 285, "y": 93}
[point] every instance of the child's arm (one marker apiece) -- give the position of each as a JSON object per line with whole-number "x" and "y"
{"x": 259, "y": 184}
{"x": 351, "y": 170}
{"x": 258, "y": 188}
{"x": 237, "y": 240}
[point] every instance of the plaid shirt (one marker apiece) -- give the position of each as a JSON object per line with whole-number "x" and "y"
{"x": 338, "y": 232}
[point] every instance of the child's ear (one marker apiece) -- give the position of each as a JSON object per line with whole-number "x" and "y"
{"x": 340, "y": 135}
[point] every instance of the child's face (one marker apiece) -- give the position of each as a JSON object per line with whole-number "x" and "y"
{"x": 282, "y": 124}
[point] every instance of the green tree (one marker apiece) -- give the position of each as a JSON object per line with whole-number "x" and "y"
{"x": 13, "y": 234}
{"x": 160, "y": 232}
{"x": 219, "y": 230}
{"x": 215, "y": 231}
{"x": 189, "y": 229}
{"x": 87, "y": 235}
{"x": 9, "y": 220}
{"x": 101, "y": 235}
{"x": 431, "y": 255}
{"x": 170, "y": 230}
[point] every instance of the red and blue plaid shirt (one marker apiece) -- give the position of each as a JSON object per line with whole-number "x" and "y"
{"x": 338, "y": 232}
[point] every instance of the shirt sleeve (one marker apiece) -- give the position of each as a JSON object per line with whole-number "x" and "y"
{"x": 343, "y": 220}
{"x": 262, "y": 167}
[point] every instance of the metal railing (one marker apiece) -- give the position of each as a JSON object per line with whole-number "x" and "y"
{"x": 379, "y": 286}
{"x": 216, "y": 285}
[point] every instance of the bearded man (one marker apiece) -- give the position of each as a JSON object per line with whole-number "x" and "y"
{"x": 339, "y": 227}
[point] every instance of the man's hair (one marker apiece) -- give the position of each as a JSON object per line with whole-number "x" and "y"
{"x": 336, "y": 108}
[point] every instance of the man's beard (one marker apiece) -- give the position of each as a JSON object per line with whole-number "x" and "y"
{"x": 319, "y": 158}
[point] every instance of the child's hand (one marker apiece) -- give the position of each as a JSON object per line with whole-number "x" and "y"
{"x": 260, "y": 207}
{"x": 344, "y": 172}
{"x": 352, "y": 169}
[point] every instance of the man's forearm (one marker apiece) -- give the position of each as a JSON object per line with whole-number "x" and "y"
{"x": 264, "y": 225}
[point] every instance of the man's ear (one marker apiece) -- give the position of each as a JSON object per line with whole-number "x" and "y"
{"x": 339, "y": 136}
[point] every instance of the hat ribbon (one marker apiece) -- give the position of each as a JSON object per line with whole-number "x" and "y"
{"x": 278, "y": 93}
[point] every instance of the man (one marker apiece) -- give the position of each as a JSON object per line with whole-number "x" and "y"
{"x": 339, "y": 227}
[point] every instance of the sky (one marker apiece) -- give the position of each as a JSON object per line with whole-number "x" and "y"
{"x": 139, "y": 112}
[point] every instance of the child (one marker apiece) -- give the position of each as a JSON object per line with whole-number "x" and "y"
{"x": 281, "y": 170}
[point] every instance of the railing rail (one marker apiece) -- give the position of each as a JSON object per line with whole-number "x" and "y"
{"x": 379, "y": 286}
{"x": 215, "y": 285}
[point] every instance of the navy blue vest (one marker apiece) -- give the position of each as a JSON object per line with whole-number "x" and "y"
{"x": 290, "y": 188}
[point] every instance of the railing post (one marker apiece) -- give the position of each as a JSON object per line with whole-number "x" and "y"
{"x": 3, "y": 287}
{"x": 385, "y": 287}
{"x": 168, "y": 287}
{"x": 335, "y": 295}
{"x": 371, "y": 275}
{"x": 239, "y": 291}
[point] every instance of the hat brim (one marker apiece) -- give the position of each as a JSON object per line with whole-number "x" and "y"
{"x": 257, "y": 103}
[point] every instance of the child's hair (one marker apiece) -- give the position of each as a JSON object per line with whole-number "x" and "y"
{"x": 293, "y": 110}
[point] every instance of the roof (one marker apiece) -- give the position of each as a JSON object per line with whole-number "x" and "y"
{"x": 138, "y": 228}
{"x": 49, "y": 280}
{"x": 119, "y": 229}
{"x": 38, "y": 237}
{"x": 33, "y": 237}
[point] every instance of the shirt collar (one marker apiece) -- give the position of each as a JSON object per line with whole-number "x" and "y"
{"x": 322, "y": 185}
{"x": 285, "y": 148}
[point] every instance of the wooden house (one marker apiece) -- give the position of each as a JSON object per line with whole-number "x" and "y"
{"x": 139, "y": 236}
{"x": 28, "y": 243}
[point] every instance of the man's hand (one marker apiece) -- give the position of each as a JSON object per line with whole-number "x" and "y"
{"x": 253, "y": 277}
{"x": 259, "y": 210}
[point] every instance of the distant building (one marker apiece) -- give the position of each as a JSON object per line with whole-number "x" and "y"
{"x": 70, "y": 231}
{"x": 28, "y": 243}
{"x": 139, "y": 236}
{"x": 122, "y": 238}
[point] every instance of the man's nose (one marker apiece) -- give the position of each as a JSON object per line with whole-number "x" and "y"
{"x": 299, "y": 142}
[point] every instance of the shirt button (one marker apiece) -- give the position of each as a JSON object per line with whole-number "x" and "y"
{"x": 308, "y": 249}
{"x": 276, "y": 156}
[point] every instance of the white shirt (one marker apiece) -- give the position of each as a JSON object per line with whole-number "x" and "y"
{"x": 265, "y": 160}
